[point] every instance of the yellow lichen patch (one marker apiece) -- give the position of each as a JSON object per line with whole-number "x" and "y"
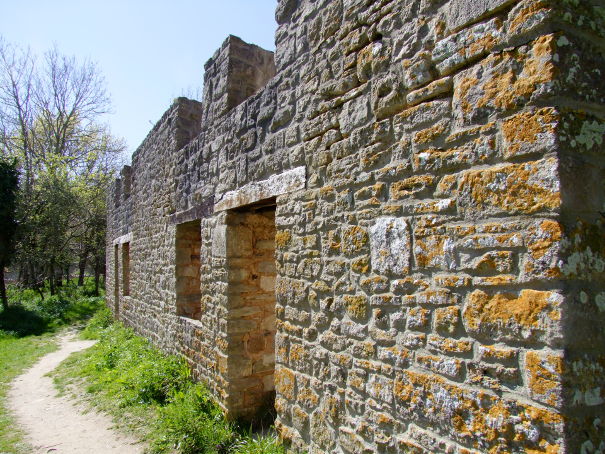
{"x": 356, "y": 306}
{"x": 447, "y": 186}
{"x": 525, "y": 311}
{"x": 435, "y": 158}
{"x": 527, "y": 13}
{"x": 354, "y": 239}
{"x": 501, "y": 279}
{"x": 297, "y": 353}
{"x": 307, "y": 396}
{"x": 550, "y": 232}
{"x": 327, "y": 191}
{"x": 447, "y": 345}
{"x": 446, "y": 318}
{"x": 482, "y": 46}
{"x": 429, "y": 134}
{"x": 462, "y": 91}
{"x": 543, "y": 244}
{"x": 409, "y": 186}
{"x": 504, "y": 89}
{"x": 282, "y": 238}
{"x": 452, "y": 280}
{"x": 433, "y": 251}
{"x": 361, "y": 265}
{"x": 545, "y": 373}
{"x": 481, "y": 418}
{"x": 515, "y": 188}
{"x": 507, "y": 79}
{"x": 493, "y": 352}
{"x": 284, "y": 382}
{"x": 466, "y": 133}
{"x": 527, "y": 128}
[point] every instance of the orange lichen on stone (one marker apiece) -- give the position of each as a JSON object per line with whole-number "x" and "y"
{"x": 354, "y": 239}
{"x": 307, "y": 396}
{"x": 409, "y": 186}
{"x": 447, "y": 186}
{"x": 493, "y": 352}
{"x": 501, "y": 279}
{"x": 298, "y": 353}
{"x": 505, "y": 89}
{"x": 284, "y": 382}
{"x": 525, "y": 310}
{"x": 431, "y": 251}
{"x": 476, "y": 416}
{"x": 429, "y": 134}
{"x": 447, "y": 345}
{"x": 515, "y": 188}
{"x": 545, "y": 372}
{"x": 527, "y": 128}
{"x": 361, "y": 265}
{"x": 466, "y": 133}
{"x": 550, "y": 232}
{"x": 452, "y": 280}
{"x": 282, "y": 238}
{"x": 446, "y": 318}
{"x": 356, "y": 306}
{"x": 526, "y": 13}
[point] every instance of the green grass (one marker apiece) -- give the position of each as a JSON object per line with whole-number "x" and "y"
{"x": 16, "y": 355}
{"x": 27, "y": 332}
{"x": 153, "y": 396}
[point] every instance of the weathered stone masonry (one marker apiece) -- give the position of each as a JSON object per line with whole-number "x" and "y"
{"x": 428, "y": 176}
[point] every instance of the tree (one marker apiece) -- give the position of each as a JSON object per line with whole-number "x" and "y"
{"x": 8, "y": 224}
{"x": 49, "y": 121}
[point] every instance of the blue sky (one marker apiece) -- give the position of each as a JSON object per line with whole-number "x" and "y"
{"x": 149, "y": 51}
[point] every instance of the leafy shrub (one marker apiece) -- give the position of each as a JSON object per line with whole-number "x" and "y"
{"x": 131, "y": 374}
{"x": 258, "y": 445}
{"x": 29, "y": 313}
{"x": 101, "y": 320}
{"x": 18, "y": 321}
{"x": 192, "y": 423}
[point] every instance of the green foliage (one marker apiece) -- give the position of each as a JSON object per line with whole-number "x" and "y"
{"x": 127, "y": 376}
{"x": 97, "y": 323}
{"x": 259, "y": 445}
{"x": 29, "y": 314}
{"x": 192, "y": 423}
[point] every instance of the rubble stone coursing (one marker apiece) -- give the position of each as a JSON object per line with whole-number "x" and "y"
{"x": 428, "y": 175}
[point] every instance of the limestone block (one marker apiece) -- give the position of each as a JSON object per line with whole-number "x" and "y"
{"x": 475, "y": 408}
{"x": 529, "y": 315}
{"x": 464, "y": 12}
{"x": 516, "y": 188}
{"x": 390, "y": 245}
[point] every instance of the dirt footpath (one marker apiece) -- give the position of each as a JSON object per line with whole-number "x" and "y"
{"x": 56, "y": 424}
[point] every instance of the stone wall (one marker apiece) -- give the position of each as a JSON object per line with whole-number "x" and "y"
{"x": 436, "y": 169}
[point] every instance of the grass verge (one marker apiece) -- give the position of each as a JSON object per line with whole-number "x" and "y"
{"x": 152, "y": 395}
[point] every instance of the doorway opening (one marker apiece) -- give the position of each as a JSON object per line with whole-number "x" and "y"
{"x": 188, "y": 247}
{"x": 126, "y": 269}
{"x": 251, "y": 323}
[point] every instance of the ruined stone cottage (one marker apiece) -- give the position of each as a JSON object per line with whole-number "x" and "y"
{"x": 392, "y": 230}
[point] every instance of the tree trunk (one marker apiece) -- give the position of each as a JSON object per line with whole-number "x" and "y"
{"x": 51, "y": 279}
{"x": 97, "y": 276}
{"x": 67, "y": 274}
{"x": 3, "y": 288}
{"x": 82, "y": 267}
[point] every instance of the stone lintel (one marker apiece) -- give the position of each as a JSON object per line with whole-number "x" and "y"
{"x": 288, "y": 181}
{"x": 201, "y": 211}
{"x": 123, "y": 239}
